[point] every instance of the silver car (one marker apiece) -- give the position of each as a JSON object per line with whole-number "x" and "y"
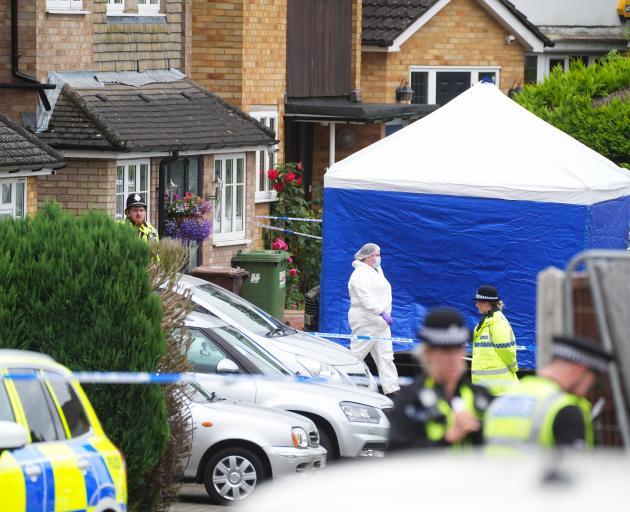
{"x": 237, "y": 446}
{"x": 302, "y": 353}
{"x": 352, "y": 421}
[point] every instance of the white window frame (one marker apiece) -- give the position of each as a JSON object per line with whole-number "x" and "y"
{"x": 264, "y": 192}
{"x": 64, "y": 5}
{"x": 433, "y": 70}
{"x": 146, "y": 7}
{"x": 219, "y": 233}
{"x": 115, "y": 8}
{"x": 126, "y": 190}
{"x": 9, "y": 209}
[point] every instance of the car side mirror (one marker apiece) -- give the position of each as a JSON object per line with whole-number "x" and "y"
{"x": 227, "y": 366}
{"x": 12, "y": 435}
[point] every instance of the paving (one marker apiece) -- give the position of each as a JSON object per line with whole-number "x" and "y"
{"x": 193, "y": 498}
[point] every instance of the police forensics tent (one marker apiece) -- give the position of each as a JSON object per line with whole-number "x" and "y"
{"x": 480, "y": 191}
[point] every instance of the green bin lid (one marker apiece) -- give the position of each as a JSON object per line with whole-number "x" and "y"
{"x": 260, "y": 256}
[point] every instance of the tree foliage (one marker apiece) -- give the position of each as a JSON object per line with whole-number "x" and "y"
{"x": 79, "y": 289}
{"x": 592, "y": 104}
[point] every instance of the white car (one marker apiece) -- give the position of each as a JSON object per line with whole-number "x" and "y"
{"x": 351, "y": 421}
{"x": 236, "y": 446}
{"x": 301, "y": 353}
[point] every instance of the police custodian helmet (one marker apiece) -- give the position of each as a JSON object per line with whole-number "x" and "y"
{"x": 134, "y": 199}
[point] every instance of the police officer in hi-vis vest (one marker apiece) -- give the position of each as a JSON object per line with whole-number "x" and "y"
{"x": 549, "y": 409}
{"x": 441, "y": 407}
{"x": 494, "y": 362}
{"x": 136, "y": 212}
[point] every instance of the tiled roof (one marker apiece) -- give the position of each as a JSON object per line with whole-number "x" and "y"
{"x": 178, "y": 115}
{"x": 384, "y": 20}
{"x": 20, "y": 148}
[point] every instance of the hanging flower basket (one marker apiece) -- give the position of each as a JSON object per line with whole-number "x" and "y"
{"x": 187, "y": 217}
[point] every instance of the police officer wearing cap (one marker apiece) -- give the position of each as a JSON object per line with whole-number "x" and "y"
{"x": 441, "y": 407}
{"x": 550, "y": 410}
{"x": 136, "y": 212}
{"x": 494, "y": 362}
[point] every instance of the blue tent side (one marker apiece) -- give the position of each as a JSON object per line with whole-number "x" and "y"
{"x": 437, "y": 249}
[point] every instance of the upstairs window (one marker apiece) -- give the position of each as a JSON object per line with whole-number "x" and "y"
{"x": 115, "y": 6}
{"x": 148, "y": 6}
{"x": 64, "y": 5}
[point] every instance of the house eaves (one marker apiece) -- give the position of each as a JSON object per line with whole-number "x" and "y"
{"x": 504, "y": 12}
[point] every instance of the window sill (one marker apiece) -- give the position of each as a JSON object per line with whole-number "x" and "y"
{"x": 266, "y": 199}
{"x": 66, "y": 11}
{"x": 227, "y": 243}
{"x": 137, "y": 14}
{"x": 134, "y": 17}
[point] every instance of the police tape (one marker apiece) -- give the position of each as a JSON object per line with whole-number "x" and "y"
{"x": 288, "y": 231}
{"x": 118, "y": 377}
{"x": 393, "y": 339}
{"x": 297, "y": 219}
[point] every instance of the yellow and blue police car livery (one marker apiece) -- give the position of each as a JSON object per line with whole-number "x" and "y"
{"x": 68, "y": 464}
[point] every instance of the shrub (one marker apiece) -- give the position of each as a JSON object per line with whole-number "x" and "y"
{"x": 79, "y": 289}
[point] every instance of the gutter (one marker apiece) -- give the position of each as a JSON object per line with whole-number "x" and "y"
{"x": 28, "y": 82}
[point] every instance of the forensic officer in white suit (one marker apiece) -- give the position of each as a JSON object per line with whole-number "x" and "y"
{"x": 370, "y": 314}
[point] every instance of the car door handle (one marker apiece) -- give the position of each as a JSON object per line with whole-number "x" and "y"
{"x": 83, "y": 465}
{"x": 33, "y": 471}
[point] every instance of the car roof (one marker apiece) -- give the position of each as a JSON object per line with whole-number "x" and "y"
{"x": 203, "y": 320}
{"x": 188, "y": 280}
{"x": 14, "y": 357}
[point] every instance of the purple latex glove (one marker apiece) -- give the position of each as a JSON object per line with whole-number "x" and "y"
{"x": 387, "y": 317}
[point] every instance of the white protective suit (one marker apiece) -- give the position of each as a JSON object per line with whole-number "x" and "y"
{"x": 370, "y": 295}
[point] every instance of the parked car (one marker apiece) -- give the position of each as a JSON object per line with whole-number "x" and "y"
{"x": 351, "y": 421}
{"x": 303, "y": 354}
{"x": 54, "y": 454}
{"x": 236, "y": 446}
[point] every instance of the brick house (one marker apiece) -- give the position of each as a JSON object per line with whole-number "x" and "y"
{"x": 126, "y": 117}
{"x": 23, "y": 158}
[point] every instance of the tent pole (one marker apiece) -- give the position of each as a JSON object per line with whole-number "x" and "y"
{"x": 331, "y": 144}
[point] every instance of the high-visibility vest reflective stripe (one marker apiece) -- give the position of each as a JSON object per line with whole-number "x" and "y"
{"x": 526, "y": 415}
{"x": 494, "y": 354}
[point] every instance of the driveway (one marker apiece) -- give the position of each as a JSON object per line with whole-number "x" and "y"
{"x": 193, "y": 498}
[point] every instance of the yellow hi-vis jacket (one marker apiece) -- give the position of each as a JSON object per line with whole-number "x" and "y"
{"x": 525, "y": 416}
{"x": 494, "y": 354}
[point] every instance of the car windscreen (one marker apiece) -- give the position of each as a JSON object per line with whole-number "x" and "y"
{"x": 254, "y": 353}
{"x": 240, "y": 312}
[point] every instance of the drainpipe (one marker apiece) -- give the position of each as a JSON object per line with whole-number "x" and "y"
{"x": 32, "y": 83}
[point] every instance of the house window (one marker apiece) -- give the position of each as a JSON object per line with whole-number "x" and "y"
{"x": 64, "y": 5}
{"x": 264, "y": 159}
{"x": 440, "y": 84}
{"x": 229, "y": 208}
{"x": 13, "y": 198}
{"x": 531, "y": 69}
{"x": 115, "y": 6}
{"x": 131, "y": 176}
{"x": 148, "y": 6}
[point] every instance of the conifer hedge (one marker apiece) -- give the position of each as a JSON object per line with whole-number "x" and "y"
{"x": 79, "y": 289}
{"x": 592, "y": 104}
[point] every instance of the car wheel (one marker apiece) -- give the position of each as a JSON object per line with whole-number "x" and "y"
{"x": 231, "y": 475}
{"x": 326, "y": 441}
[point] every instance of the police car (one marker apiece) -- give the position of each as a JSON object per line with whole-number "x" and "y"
{"x": 54, "y": 454}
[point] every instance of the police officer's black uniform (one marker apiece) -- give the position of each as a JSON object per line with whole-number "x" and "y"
{"x": 421, "y": 413}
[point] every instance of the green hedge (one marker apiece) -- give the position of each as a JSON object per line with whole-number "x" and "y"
{"x": 592, "y": 104}
{"x": 79, "y": 289}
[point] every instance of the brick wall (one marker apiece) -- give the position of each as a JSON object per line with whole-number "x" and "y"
{"x": 217, "y": 47}
{"x": 461, "y": 34}
{"x": 365, "y": 134}
{"x": 64, "y": 41}
{"x": 357, "y": 10}
{"x": 31, "y": 195}
{"x": 82, "y": 184}
{"x": 373, "y": 77}
{"x": 137, "y": 46}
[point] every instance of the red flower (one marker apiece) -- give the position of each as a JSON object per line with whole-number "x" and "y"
{"x": 188, "y": 195}
{"x": 272, "y": 174}
{"x": 289, "y": 177}
{"x": 278, "y": 187}
{"x": 299, "y": 166}
{"x": 298, "y": 181}
{"x": 293, "y": 272}
{"x": 289, "y": 259}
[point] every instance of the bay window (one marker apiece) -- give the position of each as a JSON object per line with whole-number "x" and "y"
{"x": 229, "y": 208}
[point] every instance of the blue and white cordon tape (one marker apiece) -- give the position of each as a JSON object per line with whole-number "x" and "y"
{"x": 288, "y": 231}
{"x": 289, "y": 219}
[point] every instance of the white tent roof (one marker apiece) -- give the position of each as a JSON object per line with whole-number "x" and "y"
{"x": 483, "y": 144}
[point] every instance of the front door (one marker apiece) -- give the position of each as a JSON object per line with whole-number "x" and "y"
{"x": 185, "y": 175}
{"x": 450, "y": 84}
